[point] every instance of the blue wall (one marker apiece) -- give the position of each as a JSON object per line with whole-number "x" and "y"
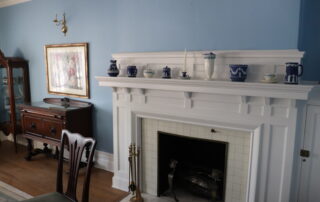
{"x": 111, "y": 26}
{"x": 309, "y": 38}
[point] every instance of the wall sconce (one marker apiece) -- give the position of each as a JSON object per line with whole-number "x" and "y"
{"x": 62, "y": 23}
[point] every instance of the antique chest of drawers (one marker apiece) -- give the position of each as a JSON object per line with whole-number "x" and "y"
{"x": 44, "y": 121}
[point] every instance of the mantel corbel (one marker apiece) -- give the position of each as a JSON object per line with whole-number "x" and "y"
{"x": 187, "y": 95}
{"x": 127, "y": 90}
{"x": 267, "y": 106}
{"x": 187, "y": 100}
{"x": 114, "y": 89}
{"x": 142, "y": 92}
{"x": 267, "y": 101}
{"x": 243, "y": 107}
{"x": 243, "y": 99}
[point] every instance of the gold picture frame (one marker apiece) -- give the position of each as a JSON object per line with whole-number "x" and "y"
{"x": 67, "y": 69}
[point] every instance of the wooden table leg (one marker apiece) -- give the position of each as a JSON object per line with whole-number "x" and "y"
{"x": 29, "y": 148}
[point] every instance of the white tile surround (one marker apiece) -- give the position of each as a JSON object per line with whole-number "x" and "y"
{"x": 269, "y": 113}
{"x": 237, "y": 159}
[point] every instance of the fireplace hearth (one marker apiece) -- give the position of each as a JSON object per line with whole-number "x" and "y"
{"x": 194, "y": 165}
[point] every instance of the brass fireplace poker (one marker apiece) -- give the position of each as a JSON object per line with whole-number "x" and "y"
{"x": 134, "y": 173}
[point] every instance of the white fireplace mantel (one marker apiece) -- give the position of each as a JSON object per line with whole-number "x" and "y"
{"x": 277, "y": 90}
{"x": 270, "y": 113}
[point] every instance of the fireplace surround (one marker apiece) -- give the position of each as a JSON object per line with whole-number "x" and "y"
{"x": 267, "y": 113}
{"x": 237, "y": 157}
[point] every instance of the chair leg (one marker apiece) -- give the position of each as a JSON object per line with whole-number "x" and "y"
{"x": 56, "y": 155}
{"x": 15, "y": 143}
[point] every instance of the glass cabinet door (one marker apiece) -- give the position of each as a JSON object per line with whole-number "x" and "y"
{"x": 4, "y": 97}
{"x": 18, "y": 90}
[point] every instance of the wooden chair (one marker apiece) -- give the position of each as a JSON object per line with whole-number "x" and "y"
{"x": 76, "y": 145}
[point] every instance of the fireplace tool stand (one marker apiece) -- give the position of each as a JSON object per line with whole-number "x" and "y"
{"x": 134, "y": 173}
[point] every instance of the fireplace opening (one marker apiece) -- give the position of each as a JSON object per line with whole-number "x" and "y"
{"x": 191, "y": 166}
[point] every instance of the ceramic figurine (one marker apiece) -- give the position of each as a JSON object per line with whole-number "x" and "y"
{"x": 132, "y": 71}
{"x": 184, "y": 76}
{"x": 166, "y": 73}
{"x": 238, "y": 72}
{"x": 148, "y": 73}
{"x": 113, "y": 71}
{"x": 209, "y": 65}
{"x": 293, "y": 71}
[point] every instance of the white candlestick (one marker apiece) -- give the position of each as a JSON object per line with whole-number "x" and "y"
{"x": 185, "y": 60}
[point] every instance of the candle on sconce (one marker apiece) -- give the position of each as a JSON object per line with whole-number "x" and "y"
{"x": 185, "y": 60}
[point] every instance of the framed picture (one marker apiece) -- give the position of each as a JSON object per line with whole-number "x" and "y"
{"x": 67, "y": 69}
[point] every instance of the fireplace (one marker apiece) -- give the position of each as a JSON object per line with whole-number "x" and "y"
{"x": 260, "y": 122}
{"x": 229, "y": 153}
{"x": 193, "y": 165}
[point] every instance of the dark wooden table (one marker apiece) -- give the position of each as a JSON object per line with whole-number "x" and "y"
{"x": 44, "y": 121}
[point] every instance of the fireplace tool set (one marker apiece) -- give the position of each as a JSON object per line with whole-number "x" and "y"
{"x": 134, "y": 173}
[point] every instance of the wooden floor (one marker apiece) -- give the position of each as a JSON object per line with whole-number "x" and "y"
{"x": 39, "y": 175}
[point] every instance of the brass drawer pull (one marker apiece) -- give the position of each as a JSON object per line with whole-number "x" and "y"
{"x": 53, "y": 130}
{"x": 33, "y": 125}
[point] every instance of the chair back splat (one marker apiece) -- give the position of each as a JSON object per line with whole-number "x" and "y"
{"x": 76, "y": 144}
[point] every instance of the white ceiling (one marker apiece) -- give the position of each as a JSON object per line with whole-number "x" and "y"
{"x": 5, "y": 3}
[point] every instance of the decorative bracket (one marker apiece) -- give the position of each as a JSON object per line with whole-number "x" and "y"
{"x": 187, "y": 100}
{"x": 187, "y": 95}
{"x": 267, "y": 106}
{"x": 243, "y": 99}
{"x": 114, "y": 89}
{"x": 293, "y": 103}
{"x": 243, "y": 107}
{"x": 267, "y": 101}
{"x": 142, "y": 92}
{"x": 129, "y": 96}
{"x": 127, "y": 90}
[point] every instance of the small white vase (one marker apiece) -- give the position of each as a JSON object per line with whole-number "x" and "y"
{"x": 209, "y": 65}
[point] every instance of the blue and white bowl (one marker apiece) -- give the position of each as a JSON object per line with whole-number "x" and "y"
{"x": 238, "y": 72}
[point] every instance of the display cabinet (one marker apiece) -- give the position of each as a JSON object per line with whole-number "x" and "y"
{"x": 14, "y": 90}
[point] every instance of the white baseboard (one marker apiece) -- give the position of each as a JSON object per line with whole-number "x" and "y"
{"x": 120, "y": 183}
{"x": 103, "y": 160}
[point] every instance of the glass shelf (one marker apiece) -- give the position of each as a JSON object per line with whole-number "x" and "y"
{"x": 14, "y": 90}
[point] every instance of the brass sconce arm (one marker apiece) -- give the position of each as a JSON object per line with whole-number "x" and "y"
{"x": 62, "y": 23}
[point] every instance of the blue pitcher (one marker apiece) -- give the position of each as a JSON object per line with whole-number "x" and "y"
{"x": 293, "y": 71}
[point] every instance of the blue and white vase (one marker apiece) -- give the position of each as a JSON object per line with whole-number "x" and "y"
{"x": 238, "y": 72}
{"x": 113, "y": 71}
{"x": 166, "y": 73}
{"x": 132, "y": 71}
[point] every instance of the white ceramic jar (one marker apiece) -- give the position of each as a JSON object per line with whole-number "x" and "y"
{"x": 209, "y": 65}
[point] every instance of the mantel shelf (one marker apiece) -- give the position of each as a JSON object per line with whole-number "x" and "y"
{"x": 272, "y": 90}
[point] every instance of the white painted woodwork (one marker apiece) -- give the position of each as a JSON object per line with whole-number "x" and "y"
{"x": 310, "y": 167}
{"x": 6, "y": 3}
{"x": 268, "y": 111}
